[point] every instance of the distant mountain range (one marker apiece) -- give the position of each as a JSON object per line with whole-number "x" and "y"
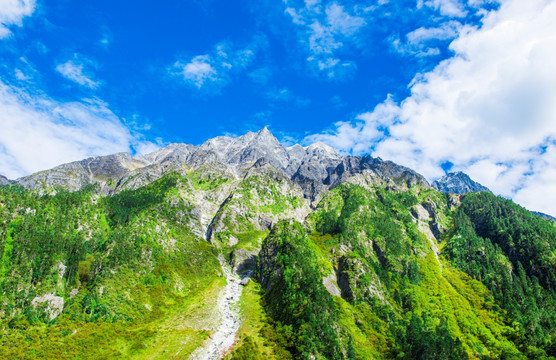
{"x": 316, "y": 168}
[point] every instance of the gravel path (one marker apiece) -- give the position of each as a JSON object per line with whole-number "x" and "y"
{"x": 228, "y": 305}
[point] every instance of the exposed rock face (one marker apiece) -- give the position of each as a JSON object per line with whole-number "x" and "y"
{"x": 458, "y": 183}
{"x": 350, "y": 275}
{"x": 331, "y": 285}
{"x": 379, "y": 171}
{"x": 53, "y": 304}
{"x": 244, "y": 262}
{"x": 263, "y": 197}
{"x": 313, "y": 169}
{"x": 100, "y": 170}
{"x": 4, "y": 180}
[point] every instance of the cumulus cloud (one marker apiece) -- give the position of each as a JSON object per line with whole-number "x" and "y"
{"x": 38, "y": 132}
{"x": 198, "y": 71}
{"x": 79, "y": 71}
{"x": 214, "y": 70}
{"x": 423, "y": 41}
{"x": 12, "y": 12}
{"x": 490, "y": 109}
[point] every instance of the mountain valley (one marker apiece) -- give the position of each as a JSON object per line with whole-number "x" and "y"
{"x": 242, "y": 248}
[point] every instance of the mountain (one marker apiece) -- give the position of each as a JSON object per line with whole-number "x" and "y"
{"x": 309, "y": 167}
{"x": 457, "y": 183}
{"x": 461, "y": 183}
{"x": 545, "y": 216}
{"x": 241, "y": 248}
{"x": 4, "y": 180}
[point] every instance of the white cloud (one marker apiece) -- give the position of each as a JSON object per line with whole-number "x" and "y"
{"x": 12, "y": 12}
{"x": 451, "y": 8}
{"x": 341, "y": 22}
{"x": 76, "y": 70}
{"x": 448, "y": 30}
{"x": 37, "y": 132}
{"x": 422, "y": 41}
{"x": 198, "y": 71}
{"x": 325, "y": 30}
{"x": 539, "y": 189}
{"x": 488, "y": 109}
{"x": 214, "y": 70}
{"x": 19, "y": 75}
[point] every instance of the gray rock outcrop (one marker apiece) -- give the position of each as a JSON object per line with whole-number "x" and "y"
{"x": 379, "y": 171}
{"x": 458, "y": 183}
{"x": 4, "y": 180}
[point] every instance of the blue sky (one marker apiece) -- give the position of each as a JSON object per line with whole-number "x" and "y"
{"x": 147, "y": 61}
{"x": 431, "y": 84}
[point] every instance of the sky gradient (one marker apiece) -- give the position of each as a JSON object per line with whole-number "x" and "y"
{"x": 435, "y": 85}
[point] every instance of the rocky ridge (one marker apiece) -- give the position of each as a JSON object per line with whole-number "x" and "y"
{"x": 458, "y": 183}
{"x": 4, "y": 180}
{"x": 314, "y": 168}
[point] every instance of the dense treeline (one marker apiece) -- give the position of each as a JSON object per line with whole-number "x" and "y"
{"x": 512, "y": 252}
{"x": 395, "y": 299}
{"x": 297, "y": 297}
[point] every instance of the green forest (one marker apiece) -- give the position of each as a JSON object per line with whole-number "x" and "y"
{"x": 370, "y": 272}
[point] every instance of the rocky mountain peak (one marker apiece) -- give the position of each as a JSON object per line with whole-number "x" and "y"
{"x": 265, "y": 135}
{"x": 377, "y": 170}
{"x": 458, "y": 183}
{"x": 314, "y": 168}
{"x": 544, "y": 216}
{"x": 4, "y": 180}
{"x": 322, "y": 148}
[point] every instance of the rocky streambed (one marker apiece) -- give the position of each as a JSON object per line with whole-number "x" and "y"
{"x": 221, "y": 341}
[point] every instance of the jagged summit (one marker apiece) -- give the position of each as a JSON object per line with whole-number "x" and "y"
{"x": 458, "y": 183}
{"x": 314, "y": 168}
{"x": 265, "y": 134}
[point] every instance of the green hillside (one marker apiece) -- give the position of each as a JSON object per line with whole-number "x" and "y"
{"x": 366, "y": 272}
